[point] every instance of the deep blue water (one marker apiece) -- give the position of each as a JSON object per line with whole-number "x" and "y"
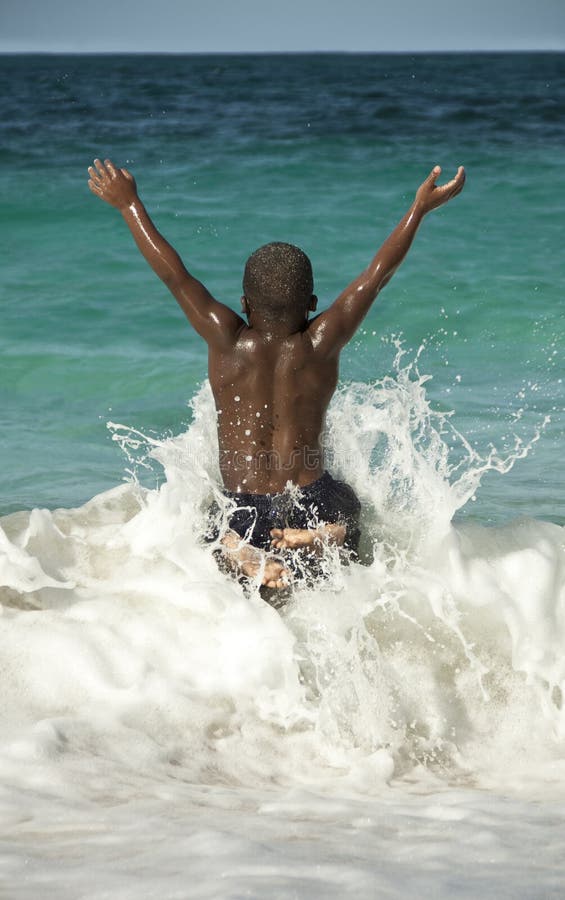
{"x": 325, "y": 151}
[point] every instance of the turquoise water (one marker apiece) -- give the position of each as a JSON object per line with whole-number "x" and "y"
{"x": 324, "y": 151}
{"x": 154, "y": 713}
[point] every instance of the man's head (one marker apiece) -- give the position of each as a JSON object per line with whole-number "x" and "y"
{"x": 278, "y": 283}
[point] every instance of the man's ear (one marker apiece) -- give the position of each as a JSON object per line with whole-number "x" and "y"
{"x": 313, "y": 303}
{"x": 245, "y": 305}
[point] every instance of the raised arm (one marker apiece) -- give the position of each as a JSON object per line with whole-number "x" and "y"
{"x": 332, "y": 329}
{"x": 214, "y": 321}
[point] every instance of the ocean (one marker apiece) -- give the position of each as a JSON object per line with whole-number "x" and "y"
{"x": 399, "y": 729}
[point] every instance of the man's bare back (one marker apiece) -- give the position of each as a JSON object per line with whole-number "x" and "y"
{"x": 273, "y": 375}
{"x": 271, "y": 396}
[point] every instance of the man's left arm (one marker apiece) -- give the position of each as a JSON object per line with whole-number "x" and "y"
{"x": 332, "y": 329}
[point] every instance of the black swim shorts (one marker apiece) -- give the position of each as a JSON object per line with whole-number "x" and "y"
{"x": 324, "y": 501}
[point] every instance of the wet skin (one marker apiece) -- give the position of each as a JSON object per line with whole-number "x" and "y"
{"x": 271, "y": 383}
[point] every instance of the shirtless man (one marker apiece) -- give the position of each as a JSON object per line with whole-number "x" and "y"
{"x": 273, "y": 376}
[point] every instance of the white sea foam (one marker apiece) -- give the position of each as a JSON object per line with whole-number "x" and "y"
{"x": 146, "y": 694}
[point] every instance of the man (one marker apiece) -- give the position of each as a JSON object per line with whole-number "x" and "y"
{"x": 273, "y": 376}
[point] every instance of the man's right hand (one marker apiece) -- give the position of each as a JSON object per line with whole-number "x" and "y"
{"x": 116, "y": 186}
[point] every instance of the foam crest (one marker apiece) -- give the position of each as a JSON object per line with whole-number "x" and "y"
{"x": 442, "y": 653}
{"x": 408, "y": 461}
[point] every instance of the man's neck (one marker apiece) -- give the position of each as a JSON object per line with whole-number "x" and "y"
{"x": 276, "y": 330}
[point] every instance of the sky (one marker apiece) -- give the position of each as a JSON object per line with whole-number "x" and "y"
{"x": 269, "y": 25}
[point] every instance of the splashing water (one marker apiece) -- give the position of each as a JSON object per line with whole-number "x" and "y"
{"x": 145, "y": 692}
{"x": 445, "y": 642}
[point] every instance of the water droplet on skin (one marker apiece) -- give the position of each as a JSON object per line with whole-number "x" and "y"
{"x": 248, "y": 431}
{"x": 237, "y": 398}
{"x": 257, "y": 414}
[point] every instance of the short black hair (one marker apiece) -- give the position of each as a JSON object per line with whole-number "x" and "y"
{"x": 278, "y": 278}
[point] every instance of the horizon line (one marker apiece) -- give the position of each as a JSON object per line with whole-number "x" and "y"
{"x": 334, "y": 52}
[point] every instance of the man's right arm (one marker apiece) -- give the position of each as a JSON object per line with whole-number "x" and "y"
{"x": 332, "y": 329}
{"x": 214, "y": 321}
